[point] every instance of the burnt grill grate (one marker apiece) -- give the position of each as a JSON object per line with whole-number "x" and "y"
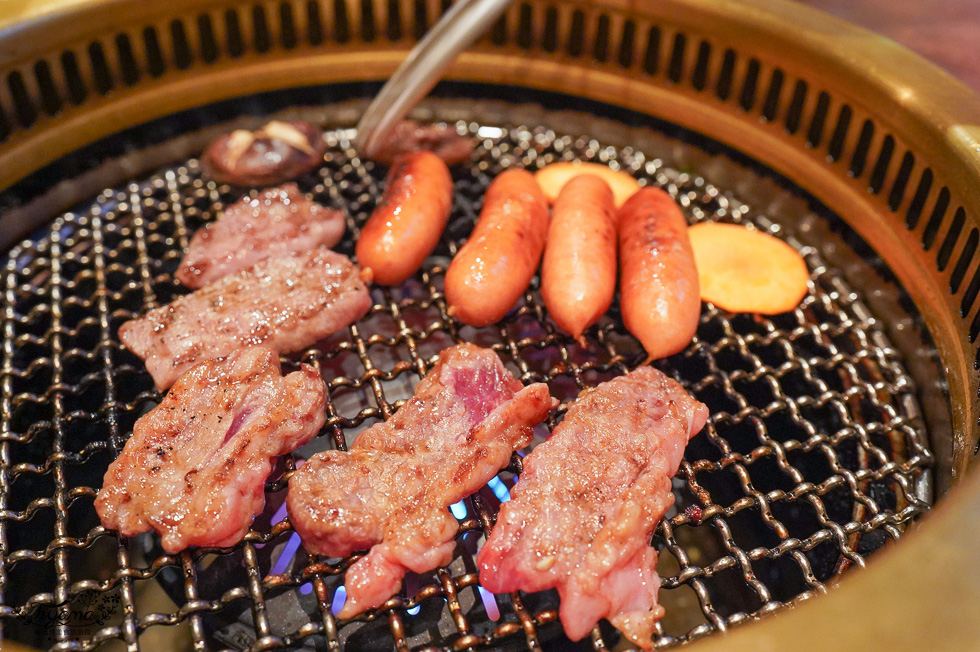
{"x": 813, "y": 458}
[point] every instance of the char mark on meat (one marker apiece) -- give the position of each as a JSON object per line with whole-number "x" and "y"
{"x": 195, "y": 468}
{"x": 286, "y": 303}
{"x": 278, "y": 221}
{"x": 391, "y": 493}
{"x": 584, "y": 509}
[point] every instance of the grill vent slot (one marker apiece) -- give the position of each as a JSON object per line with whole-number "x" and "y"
{"x": 935, "y": 221}
{"x": 341, "y": 27}
{"x": 651, "y": 59}
{"x": 860, "y": 155}
{"x": 881, "y": 167}
{"x": 367, "y": 21}
{"x": 576, "y": 36}
{"x": 966, "y": 259}
{"x": 549, "y": 39}
{"x": 676, "y": 69}
{"x": 525, "y": 35}
{"x": 771, "y": 105}
{"x": 23, "y": 108}
{"x": 747, "y": 99}
{"x": 128, "y": 66}
{"x": 945, "y": 251}
{"x": 837, "y": 140}
{"x": 626, "y": 44}
{"x": 723, "y": 89}
{"x": 966, "y": 304}
{"x": 209, "y": 46}
{"x": 154, "y": 56}
{"x": 815, "y": 134}
{"x": 287, "y": 29}
{"x": 73, "y": 77}
{"x": 101, "y": 75}
{"x": 181, "y": 48}
{"x": 314, "y": 26}
{"x": 233, "y": 33}
{"x": 260, "y": 28}
{"x": 699, "y": 78}
{"x": 50, "y": 100}
{"x": 600, "y": 49}
{"x": 919, "y": 200}
{"x": 795, "y": 113}
{"x": 901, "y": 181}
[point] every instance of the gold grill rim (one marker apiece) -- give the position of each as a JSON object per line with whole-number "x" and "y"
{"x": 907, "y": 183}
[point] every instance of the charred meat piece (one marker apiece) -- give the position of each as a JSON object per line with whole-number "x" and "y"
{"x": 195, "y": 468}
{"x": 279, "y": 221}
{"x": 584, "y": 509}
{"x": 409, "y": 136}
{"x": 277, "y": 152}
{"x": 392, "y": 491}
{"x": 285, "y": 303}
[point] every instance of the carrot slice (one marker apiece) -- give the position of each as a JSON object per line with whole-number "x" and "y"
{"x": 741, "y": 270}
{"x": 553, "y": 177}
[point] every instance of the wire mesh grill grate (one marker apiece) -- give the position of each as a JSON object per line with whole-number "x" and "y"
{"x": 813, "y": 458}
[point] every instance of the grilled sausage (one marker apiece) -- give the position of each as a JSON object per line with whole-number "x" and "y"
{"x": 408, "y": 222}
{"x": 493, "y": 269}
{"x": 659, "y": 295}
{"x": 578, "y": 274}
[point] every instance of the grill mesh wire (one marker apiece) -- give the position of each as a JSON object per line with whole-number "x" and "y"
{"x": 812, "y": 459}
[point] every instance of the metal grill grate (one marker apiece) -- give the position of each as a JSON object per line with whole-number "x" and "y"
{"x": 814, "y": 456}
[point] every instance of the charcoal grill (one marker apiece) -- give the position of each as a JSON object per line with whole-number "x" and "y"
{"x": 834, "y": 427}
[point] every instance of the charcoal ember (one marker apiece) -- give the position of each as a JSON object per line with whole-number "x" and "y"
{"x": 277, "y": 152}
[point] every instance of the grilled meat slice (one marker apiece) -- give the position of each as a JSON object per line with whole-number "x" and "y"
{"x": 409, "y": 136}
{"x": 277, "y": 152}
{"x": 279, "y": 221}
{"x": 195, "y": 468}
{"x": 286, "y": 303}
{"x": 585, "y": 507}
{"x": 391, "y": 492}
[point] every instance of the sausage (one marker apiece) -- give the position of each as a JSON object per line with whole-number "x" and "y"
{"x": 408, "y": 222}
{"x": 493, "y": 269}
{"x": 659, "y": 295}
{"x": 578, "y": 274}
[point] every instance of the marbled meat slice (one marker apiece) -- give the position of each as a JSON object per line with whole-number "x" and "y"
{"x": 278, "y": 221}
{"x": 584, "y": 509}
{"x": 286, "y": 303}
{"x": 409, "y": 136}
{"x": 195, "y": 468}
{"x": 392, "y": 491}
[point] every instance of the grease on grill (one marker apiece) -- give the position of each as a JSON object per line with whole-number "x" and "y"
{"x": 811, "y": 461}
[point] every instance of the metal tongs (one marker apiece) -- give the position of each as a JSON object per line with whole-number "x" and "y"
{"x": 465, "y": 21}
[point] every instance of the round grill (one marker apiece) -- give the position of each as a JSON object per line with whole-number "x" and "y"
{"x": 814, "y": 456}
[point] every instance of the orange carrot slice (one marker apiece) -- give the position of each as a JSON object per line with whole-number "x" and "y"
{"x": 741, "y": 270}
{"x": 552, "y": 178}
